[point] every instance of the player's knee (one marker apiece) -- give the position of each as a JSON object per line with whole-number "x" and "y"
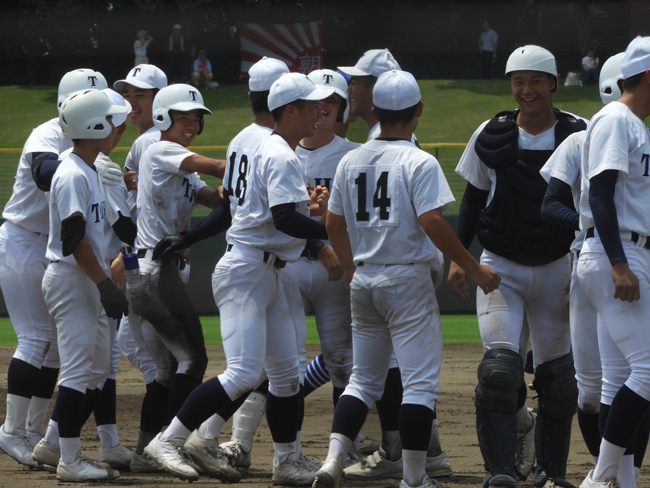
{"x": 500, "y": 376}
{"x": 32, "y": 350}
{"x": 557, "y": 387}
{"x": 194, "y": 367}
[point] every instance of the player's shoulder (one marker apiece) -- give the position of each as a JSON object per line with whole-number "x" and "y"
{"x": 345, "y": 144}
{"x": 250, "y": 136}
{"x": 149, "y": 137}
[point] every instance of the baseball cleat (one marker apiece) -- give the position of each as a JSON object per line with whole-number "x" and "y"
{"x": 17, "y": 446}
{"x": 310, "y": 462}
{"x": 46, "y": 455}
{"x": 293, "y": 472}
{"x": 33, "y": 438}
{"x": 351, "y": 458}
{"x": 141, "y": 463}
{"x": 168, "y": 455}
{"x": 375, "y": 466}
{"x": 525, "y": 456}
{"x": 238, "y": 457}
{"x": 425, "y": 483}
{"x": 367, "y": 445}
{"x": 329, "y": 475}
{"x": 118, "y": 457}
{"x": 84, "y": 469}
{"x": 438, "y": 466}
{"x": 210, "y": 457}
{"x": 589, "y": 482}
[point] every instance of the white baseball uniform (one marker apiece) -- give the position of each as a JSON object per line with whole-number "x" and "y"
{"x": 329, "y": 301}
{"x": 533, "y": 291}
{"x": 23, "y": 242}
{"x": 166, "y": 199}
{"x": 618, "y": 140}
{"x": 257, "y": 338}
{"x": 72, "y": 298}
{"x": 382, "y": 189}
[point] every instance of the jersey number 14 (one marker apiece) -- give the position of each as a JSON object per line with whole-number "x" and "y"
{"x": 380, "y": 198}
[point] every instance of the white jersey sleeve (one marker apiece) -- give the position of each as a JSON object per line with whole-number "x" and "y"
{"x": 28, "y": 206}
{"x": 472, "y": 168}
{"x": 132, "y": 163}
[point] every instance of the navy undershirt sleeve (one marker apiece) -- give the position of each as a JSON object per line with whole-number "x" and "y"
{"x": 471, "y": 206}
{"x": 314, "y": 245}
{"x": 295, "y": 224}
{"x": 125, "y": 229}
{"x": 558, "y": 208}
{"x": 44, "y": 165}
{"x": 217, "y": 221}
{"x": 601, "y": 201}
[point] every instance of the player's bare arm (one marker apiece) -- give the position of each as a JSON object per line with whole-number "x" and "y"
{"x": 444, "y": 238}
{"x": 130, "y": 180}
{"x": 118, "y": 274}
{"x": 337, "y": 231}
{"x": 209, "y": 198}
{"x": 204, "y": 165}
{"x": 331, "y": 263}
{"x": 457, "y": 281}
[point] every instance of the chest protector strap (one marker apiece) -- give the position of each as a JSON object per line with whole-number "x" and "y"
{"x": 511, "y": 225}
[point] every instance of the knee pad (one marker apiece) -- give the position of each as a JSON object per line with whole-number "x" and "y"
{"x": 500, "y": 376}
{"x": 555, "y": 383}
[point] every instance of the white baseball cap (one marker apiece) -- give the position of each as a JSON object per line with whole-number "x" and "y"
{"x": 396, "y": 90}
{"x": 636, "y": 58}
{"x": 145, "y": 76}
{"x": 264, "y": 73}
{"x": 372, "y": 63}
{"x": 117, "y": 99}
{"x": 295, "y": 86}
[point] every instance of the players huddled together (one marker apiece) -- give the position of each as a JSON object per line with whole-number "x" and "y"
{"x": 94, "y": 261}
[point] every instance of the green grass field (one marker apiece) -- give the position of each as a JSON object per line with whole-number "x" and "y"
{"x": 455, "y": 328}
{"x": 453, "y": 110}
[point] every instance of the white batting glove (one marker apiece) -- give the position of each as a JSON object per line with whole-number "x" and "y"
{"x": 109, "y": 172}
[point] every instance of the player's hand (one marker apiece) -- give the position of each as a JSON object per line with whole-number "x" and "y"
{"x": 318, "y": 201}
{"x": 348, "y": 274}
{"x": 331, "y": 263}
{"x": 457, "y": 281}
{"x": 485, "y": 278}
{"x": 566, "y": 291}
{"x": 118, "y": 274}
{"x": 130, "y": 180}
{"x": 113, "y": 300}
{"x": 171, "y": 244}
{"x": 626, "y": 284}
{"x": 109, "y": 172}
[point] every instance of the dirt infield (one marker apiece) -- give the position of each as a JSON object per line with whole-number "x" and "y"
{"x": 456, "y": 414}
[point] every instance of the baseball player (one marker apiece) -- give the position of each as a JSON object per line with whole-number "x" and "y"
{"x": 563, "y": 173}
{"x": 34, "y": 368}
{"x": 614, "y": 260}
{"x": 384, "y": 243}
{"x": 502, "y": 160}
{"x": 268, "y": 229}
{"x": 168, "y": 190}
{"x": 79, "y": 259}
{"x": 139, "y": 88}
{"x": 386, "y": 462}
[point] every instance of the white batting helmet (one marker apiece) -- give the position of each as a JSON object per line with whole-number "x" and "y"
{"x": 83, "y": 115}
{"x": 77, "y": 80}
{"x": 532, "y": 58}
{"x": 179, "y": 97}
{"x": 332, "y": 79}
{"x": 610, "y": 74}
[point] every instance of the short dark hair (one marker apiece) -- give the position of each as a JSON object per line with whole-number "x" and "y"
{"x": 260, "y": 102}
{"x": 394, "y": 117}
{"x": 632, "y": 82}
{"x": 277, "y": 113}
{"x": 369, "y": 80}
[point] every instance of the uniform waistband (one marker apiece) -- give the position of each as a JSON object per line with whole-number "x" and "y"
{"x": 253, "y": 253}
{"x": 625, "y": 235}
{"x": 309, "y": 255}
{"x": 379, "y": 267}
{"x": 145, "y": 254}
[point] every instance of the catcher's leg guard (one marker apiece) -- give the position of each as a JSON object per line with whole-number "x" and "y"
{"x": 557, "y": 389}
{"x": 500, "y": 375}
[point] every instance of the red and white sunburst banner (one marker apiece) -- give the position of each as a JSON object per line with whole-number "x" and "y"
{"x": 300, "y": 46}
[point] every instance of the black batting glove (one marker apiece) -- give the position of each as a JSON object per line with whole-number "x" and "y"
{"x": 170, "y": 244}
{"x": 113, "y": 300}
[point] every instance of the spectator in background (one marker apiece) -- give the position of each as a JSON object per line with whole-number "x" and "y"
{"x": 487, "y": 46}
{"x": 202, "y": 71}
{"x": 176, "y": 63}
{"x": 590, "y": 65}
{"x": 142, "y": 40}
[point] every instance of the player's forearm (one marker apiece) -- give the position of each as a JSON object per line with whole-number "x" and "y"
{"x": 340, "y": 240}
{"x": 557, "y": 206}
{"x": 208, "y": 197}
{"x": 603, "y": 209}
{"x": 204, "y": 165}
{"x": 471, "y": 205}
{"x": 294, "y": 224}
{"x": 444, "y": 238}
{"x": 87, "y": 261}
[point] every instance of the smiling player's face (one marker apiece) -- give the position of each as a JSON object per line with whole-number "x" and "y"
{"x": 185, "y": 126}
{"x": 532, "y": 90}
{"x": 141, "y": 101}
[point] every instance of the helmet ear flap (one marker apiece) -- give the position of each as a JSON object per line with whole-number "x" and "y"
{"x": 201, "y": 125}
{"x": 344, "y": 111}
